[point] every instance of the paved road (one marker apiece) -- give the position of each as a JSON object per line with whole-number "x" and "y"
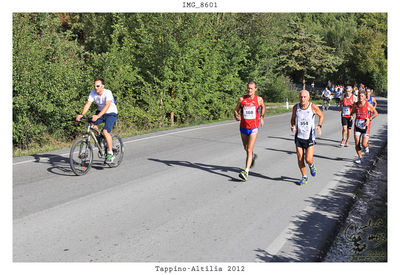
{"x": 177, "y": 198}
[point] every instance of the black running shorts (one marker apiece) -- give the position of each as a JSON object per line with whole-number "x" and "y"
{"x": 347, "y": 121}
{"x": 304, "y": 143}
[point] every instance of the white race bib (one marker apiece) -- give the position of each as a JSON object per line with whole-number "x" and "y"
{"x": 249, "y": 112}
{"x": 361, "y": 123}
{"x": 304, "y": 126}
{"x": 346, "y": 110}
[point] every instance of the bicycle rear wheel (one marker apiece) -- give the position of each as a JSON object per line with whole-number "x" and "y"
{"x": 118, "y": 151}
{"x": 81, "y": 157}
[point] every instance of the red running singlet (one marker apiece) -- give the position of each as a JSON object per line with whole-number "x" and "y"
{"x": 362, "y": 111}
{"x": 347, "y": 106}
{"x": 250, "y": 113}
{"x": 361, "y": 116}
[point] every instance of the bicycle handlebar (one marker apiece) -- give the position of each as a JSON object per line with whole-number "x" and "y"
{"x": 88, "y": 119}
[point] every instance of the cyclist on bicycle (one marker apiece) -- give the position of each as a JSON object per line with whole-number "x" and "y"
{"x": 326, "y": 96}
{"x": 106, "y": 112}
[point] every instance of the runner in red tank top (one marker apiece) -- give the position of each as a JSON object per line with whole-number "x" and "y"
{"x": 252, "y": 111}
{"x": 346, "y": 107}
{"x": 249, "y": 109}
{"x": 362, "y": 109}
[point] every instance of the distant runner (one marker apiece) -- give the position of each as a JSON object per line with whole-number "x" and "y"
{"x": 346, "y": 107}
{"x": 302, "y": 123}
{"x": 362, "y": 109}
{"x": 252, "y": 111}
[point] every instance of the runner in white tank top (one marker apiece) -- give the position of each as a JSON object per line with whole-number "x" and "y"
{"x": 305, "y": 127}
{"x": 302, "y": 123}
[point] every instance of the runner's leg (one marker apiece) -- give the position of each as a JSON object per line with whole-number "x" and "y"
{"x": 251, "y": 142}
{"x": 344, "y": 132}
{"x": 310, "y": 155}
{"x": 357, "y": 145}
{"x": 300, "y": 160}
{"x": 348, "y": 136}
{"x": 365, "y": 141}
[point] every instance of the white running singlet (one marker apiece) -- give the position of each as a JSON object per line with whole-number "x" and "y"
{"x": 305, "y": 122}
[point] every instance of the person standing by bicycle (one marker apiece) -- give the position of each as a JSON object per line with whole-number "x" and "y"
{"x": 326, "y": 96}
{"x": 106, "y": 113}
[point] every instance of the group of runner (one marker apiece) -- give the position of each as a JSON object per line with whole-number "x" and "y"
{"x": 363, "y": 108}
{"x": 250, "y": 111}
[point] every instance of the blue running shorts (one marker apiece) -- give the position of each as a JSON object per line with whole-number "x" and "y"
{"x": 247, "y": 132}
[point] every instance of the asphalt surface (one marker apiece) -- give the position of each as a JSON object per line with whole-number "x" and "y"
{"x": 177, "y": 198}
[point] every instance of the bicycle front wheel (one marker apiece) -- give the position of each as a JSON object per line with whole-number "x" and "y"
{"x": 118, "y": 151}
{"x": 81, "y": 157}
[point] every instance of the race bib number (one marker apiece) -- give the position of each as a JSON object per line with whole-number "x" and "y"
{"x": 346, "y": 110}
{"x": 249, "y": 112}
{"x": 361, "y": 123}
{"x": 304, "y": 126}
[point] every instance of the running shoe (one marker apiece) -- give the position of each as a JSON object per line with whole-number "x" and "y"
{"x": 253, "y": 162}
{"x": 313, "y": 170}
{"x": 110, "y": 158}
{"x": 304, "y": 180}
{"x": 366, "y": 150}
{"x": 341, "y": 144}
{"x": 358, "y": 161}
{"x": 243, "y": 175}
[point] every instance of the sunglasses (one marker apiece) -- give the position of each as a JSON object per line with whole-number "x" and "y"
{"x": 97, "y": 86}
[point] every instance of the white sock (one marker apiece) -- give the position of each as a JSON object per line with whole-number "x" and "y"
{"x": 110, "y": 152}
{"x": 247, "y": 170}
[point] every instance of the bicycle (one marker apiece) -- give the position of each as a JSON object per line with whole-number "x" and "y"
{"x": 81, "y": 154}
{"x": 325, "y": 104}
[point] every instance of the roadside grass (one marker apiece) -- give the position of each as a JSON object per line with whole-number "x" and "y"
{"x": 53, "y": 143}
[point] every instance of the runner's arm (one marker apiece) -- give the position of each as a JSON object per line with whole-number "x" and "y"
{"x": 375, "y": 102}
{"x": 237, "y": 109}
{"x": 261, "y": 103}
{"x": 353, "y": 111}
{"x": 293, "y": 119}
{"x": 372, "y": 110}
{"x": 321, "y": 115}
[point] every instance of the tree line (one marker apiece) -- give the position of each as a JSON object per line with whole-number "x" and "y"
{"x": 177, "y": 68}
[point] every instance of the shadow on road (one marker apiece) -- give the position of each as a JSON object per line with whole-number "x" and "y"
{"x": 316, "y": 229}
{"x": 382, "y": 107}
{"x": 335, "y": 143}
{"x": 315, "y": 155}
{"x": 59, "y": 165}
{"x": 221, "y": 170}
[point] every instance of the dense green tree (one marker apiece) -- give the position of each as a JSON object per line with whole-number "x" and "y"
{"x": 168, "y": 68}
{"x": 48, "y": 75}
{"x": 306, "y": 53}
{"x": 370, "y": 51}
